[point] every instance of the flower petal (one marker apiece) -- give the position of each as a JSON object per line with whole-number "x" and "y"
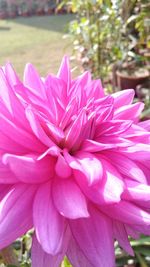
{"x": 124, "y": 97}
{"x": 138, "y": 151}
{"x": 127, "y": 212}
{"x": 114, "y": 127}
{"x": 121, "y": 235}
{"x": 94, "y": 237}
{"x": 28, "y": 169}
{"x": 129, "y": 112}
{"x": 62, "y": 168}
{"x": 49, "y": 225}
{"x": 137, "y": 191}
{"x": 19, "y": 135}
{"x": 33, "y": 81}
{"x": 76, "y": 256}
{"x": 86, "y": 163}
{"x": 6, "y": 175}
{"x": 68, "y": 199}
{"x": 108, "y": 190}
{"x": 42, "y": 259}
{"x": 64, "y": 72}
{"x": 16, "y": 213}
{"x": 37, "y": 128}
{"x": 126, "y": 166}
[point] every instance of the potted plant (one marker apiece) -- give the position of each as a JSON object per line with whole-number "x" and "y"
{"x": 132, "y": 72}
{"x": 134, "y": 68}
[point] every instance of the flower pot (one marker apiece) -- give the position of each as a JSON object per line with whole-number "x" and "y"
{"x": 126, "y": 81}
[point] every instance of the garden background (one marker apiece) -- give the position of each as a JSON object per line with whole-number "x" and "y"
{"x": 109, "y": 38}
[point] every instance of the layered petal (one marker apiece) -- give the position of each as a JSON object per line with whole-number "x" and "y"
{"x": 16, "y": 213}
{"x": 124, "y": 97}
{"x": 128, "y": 213}
{"x": 28, "y": 168}
{"x": 95, "y": 239}
{"x": 42, "y": 259}
{"x": 49, "y": 224}
{"x": 76, "y": 256}
{"x": 86, "y": 163}
{"x": 69, "y": 199}
{"x": 121, "y": 236}
{"x": 33, "y": 81}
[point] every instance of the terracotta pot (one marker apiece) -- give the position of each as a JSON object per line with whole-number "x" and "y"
{"x": 125, "y": 81}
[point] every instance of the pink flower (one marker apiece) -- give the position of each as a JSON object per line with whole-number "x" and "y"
{"x": 74, "y": 164}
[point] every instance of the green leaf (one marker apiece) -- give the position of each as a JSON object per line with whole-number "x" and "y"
{"x": 66, "y": 263}
{"x": 141, "y": 260}
{"x": 142, "y": 241}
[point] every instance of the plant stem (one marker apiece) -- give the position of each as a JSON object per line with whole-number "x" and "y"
{"x": 9, "y": 256}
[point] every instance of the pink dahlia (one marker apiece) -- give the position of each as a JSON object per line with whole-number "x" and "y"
{"x": 74, "y": 165}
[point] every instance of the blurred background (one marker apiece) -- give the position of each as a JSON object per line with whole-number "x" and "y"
{"x": 109, "y": 38}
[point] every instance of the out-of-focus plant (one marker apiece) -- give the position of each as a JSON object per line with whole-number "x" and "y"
{"x": 136, "y": 29}
{"x": 95, "y": 32}
{"x": 3, "y": 5}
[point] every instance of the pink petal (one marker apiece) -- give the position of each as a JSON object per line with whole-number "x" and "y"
{"x": 93, "y": 146}
{"x": 137, "y": 191}
{"x": 55, "y": 131}
{"x": 94, "y": 237}
{"x": 16, "y": 213}
{"x": 126, "y": 166}
{"x": 145, "y": 124}
{"x": 4, "y": 189}
{"x": 129, "y": 112}
{"x": 127, "y": 212}
{"x": 11, "y": 75}
{"x": 7, "y": 176}
{"x": 56, "y": 88}
{"x": 19, "y": 135}
{"x": 79, "y": 86}
{"x": 139, "y": 151}
{"x": 28, "y": 169}
{"x": 138, "y": 135}
{"x": 104, "y": 113}
{"x": 11, "y": 101}
{"x": 132, "y": 231}
{"x": 122, "y": 237}
{"x": 124, "y": 97}
{"x": 64, "y": 72}
{"x": 76, "y": 256}
{"x": 88, "y": 164}
{"x": 114, "y": 127}
{"x": 71, "y": 109}
{"x": 68, "y": 199}
{"x": 62, "y": 168}
{"x": 95, "y": 89}
{"x": 9, "y": 145}
{"x": 33, "y": 81}
{"x": 37, "y": 128}
{"x": 49, "y": 225}
{"x": 42, "y": 259}
{"x": 108, "y": 190}
{"x": 72, "y": 139}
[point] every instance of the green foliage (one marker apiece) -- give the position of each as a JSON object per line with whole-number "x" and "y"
{"x": 105, "y": 32}
{"x": 95, "y": 32}
{"x": 141, "y": 249}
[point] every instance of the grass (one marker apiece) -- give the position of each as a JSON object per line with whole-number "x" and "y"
{"x": 38, "y": 40}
